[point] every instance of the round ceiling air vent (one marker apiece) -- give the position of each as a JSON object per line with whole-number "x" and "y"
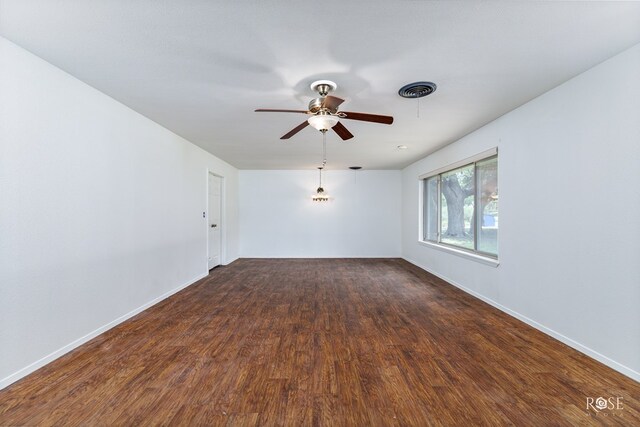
{"x": 417, "y": 89}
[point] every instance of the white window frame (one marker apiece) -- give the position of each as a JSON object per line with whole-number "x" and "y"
{"x": 472, "y": 254}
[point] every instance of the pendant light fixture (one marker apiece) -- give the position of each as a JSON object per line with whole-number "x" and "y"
{"x": 320, "y": 195}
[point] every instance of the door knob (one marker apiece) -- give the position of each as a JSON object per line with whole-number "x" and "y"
{"x": 214, "y": 225}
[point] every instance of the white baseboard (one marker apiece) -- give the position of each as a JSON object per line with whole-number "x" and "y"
{"x": 67, "y": 348}
{"x": 566, "y": 340}
{"x": 297, "y": 256}
{"x": 227, "y": 262}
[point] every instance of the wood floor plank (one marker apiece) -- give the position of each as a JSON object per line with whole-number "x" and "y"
{"x": 320, "y": 342}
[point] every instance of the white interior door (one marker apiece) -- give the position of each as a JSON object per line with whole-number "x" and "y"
{"x": 215, "y": 215}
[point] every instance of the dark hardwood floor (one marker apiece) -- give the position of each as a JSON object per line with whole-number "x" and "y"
{"x": 335, "y": 342}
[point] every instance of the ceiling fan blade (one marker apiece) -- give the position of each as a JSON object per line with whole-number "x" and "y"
{"x": 342, "y": 131}
{"x": 295, "y": 130}
{"x": 332, "y": 102}
{"x": 365, "y": 117}
{"x": 264, "y": 110}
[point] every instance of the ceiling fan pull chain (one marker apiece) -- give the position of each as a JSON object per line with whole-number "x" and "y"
{"x": 418, "y": 107}
{"x": 324, "y": 148}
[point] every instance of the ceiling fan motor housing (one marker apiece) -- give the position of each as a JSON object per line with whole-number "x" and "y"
{"x": 315, "y": 105}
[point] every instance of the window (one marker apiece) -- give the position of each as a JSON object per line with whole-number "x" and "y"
{"x": 460, "y": 205}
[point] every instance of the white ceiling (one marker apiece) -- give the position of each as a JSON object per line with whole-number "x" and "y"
{"x": 200, "y": 68}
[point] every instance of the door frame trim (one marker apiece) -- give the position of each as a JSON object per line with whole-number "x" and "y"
{"x": 223, "y": 219}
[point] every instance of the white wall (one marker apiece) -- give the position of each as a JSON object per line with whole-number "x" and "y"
{"x": 279, "y": 219}
{"x": 569, "y": 172}
{"x": 100, "y": 214}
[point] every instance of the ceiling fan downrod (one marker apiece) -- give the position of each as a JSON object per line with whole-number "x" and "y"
{"x": 323, "y": 87}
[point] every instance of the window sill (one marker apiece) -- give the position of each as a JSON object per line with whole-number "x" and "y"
{"x": 461, "y": 253}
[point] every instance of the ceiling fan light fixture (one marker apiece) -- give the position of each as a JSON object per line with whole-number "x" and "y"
{"x": 323, "y": 121}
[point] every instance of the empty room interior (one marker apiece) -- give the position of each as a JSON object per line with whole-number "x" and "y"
{"x": 246, "y": 213}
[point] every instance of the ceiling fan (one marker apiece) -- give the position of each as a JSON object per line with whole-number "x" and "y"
{"x": 325, "y": 115}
